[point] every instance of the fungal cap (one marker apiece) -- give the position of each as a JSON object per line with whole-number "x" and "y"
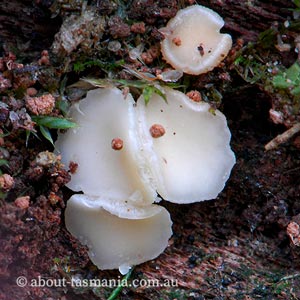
{"x": 104, "y": 121}
{"x": 118, "y": 235}
{"x": 193, "y": 159}
{"x": 202, "y": 47}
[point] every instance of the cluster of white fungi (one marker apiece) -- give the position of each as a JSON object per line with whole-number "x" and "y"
{"x": 130, "y": 155}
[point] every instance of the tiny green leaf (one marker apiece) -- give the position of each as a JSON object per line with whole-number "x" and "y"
{"x": 296, "y": 91}
{"x": 160, "y": 93}
{"x": 46, "y": 134}
{"x": 63, "y": 106}
{"x": 147, "y": 93}
{"x": 297, "y": 2}
{"x": 53, "y": 122}
{"x": 280, "y": 82}
{"x": 293, "y": 72}
{"x": 3, "y": 162}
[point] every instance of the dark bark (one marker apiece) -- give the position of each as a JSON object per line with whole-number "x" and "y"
{"x": 29, "y": 25}
{"x": 249, "y": 18}
{"x": 26, "y": 25}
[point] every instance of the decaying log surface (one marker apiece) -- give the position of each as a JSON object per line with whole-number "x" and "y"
{"x": 249, "y": 18}
{"x": 235, "y": 247}
{"x": 27, "y": 25}
{"x": 30, "y": 21}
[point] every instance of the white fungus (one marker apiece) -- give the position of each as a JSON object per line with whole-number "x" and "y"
{"x": 192, "y": 160}
{"x": 193, "y": 42}
{"x": 118, "y": 235}
{"x": 177, "y": 148}
{"x": 127, "y": 153}
{"x": 102, "y": 116}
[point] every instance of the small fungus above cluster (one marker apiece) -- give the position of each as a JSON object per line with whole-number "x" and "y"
{"x": 193, "y": 42}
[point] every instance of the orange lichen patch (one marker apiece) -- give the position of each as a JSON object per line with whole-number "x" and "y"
{"x": 42, "y": 105}
{"x": 194, "y": 95}
{"x": 6, "y": 182}
{"x": 22, "y": 202}
{"x": 117, "y": 144}
{"x": 157, "y": 130}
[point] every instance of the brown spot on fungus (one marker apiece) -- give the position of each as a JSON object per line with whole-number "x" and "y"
{"x": 201, "y": 49}
{"x": 73, "y": 166}
{"x": 117, "y": 144}
{"x": 194, "y": 95}
{"x": 177, "y": 41}
{"x": 157, "y": 130}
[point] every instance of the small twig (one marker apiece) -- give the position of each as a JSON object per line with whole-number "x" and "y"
{"x": 289, "y": 277}
{"x": 282, "y": 138}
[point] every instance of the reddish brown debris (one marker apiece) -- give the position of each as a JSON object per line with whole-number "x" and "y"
{"x": 117, "y": 144}
{"x": 31, "y": 92}
{"x": 53, "y": 198}
{"x": 44, "y": 60}
{"x": 138, "y": 27}
{"x": 194, "y": 95}
{"x": 5, "y": 83}
{"x": 118, "y": 28}
{"x": 22, "y": 202}
{"x": 42, "y": 105}
{"x": 73, "y": 166}
{"x": 149, "y": 56}
{"x": 6, "y": 182}
{"x": 157, "y": 130}
{"x": 293, "y": 231}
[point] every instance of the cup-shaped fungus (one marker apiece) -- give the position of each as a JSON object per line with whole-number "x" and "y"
{"x": 118, "y": 235}
{"x": 102, "y": 146}
{"x": 193, "y": 42}
{"x": 126, "y": 152}
{"x": 192, "y": 160}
